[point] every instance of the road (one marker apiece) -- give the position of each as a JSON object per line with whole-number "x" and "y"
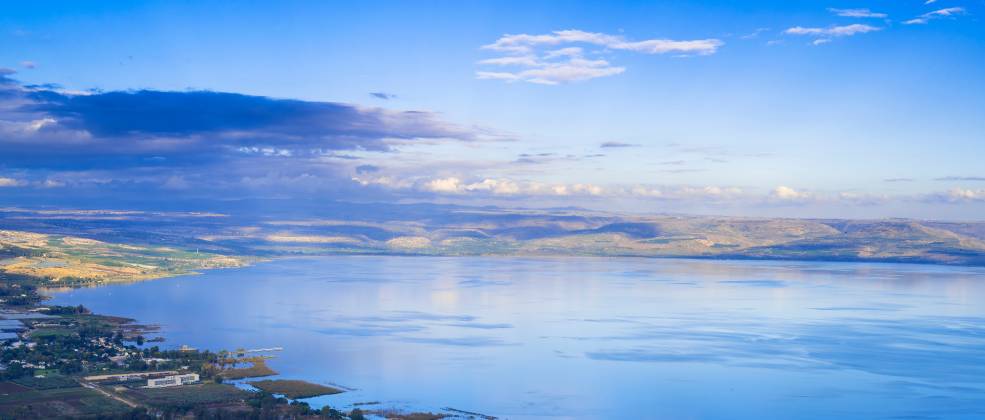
{"x": 96, "y": 388}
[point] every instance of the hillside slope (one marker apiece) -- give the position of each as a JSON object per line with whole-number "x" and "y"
{"x": 73, "y": 260}
{"x": 157, "y": 239}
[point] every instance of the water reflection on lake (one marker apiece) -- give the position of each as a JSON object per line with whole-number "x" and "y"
{"x": 592, "y": 337}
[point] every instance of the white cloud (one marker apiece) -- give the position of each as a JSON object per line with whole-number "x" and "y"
{"x": 857, "y": 13}
{"x": 454, "y": 185}
{"x": 9, "y": 182}
{"x": 824, "y": 35}
{"x": 266, "y": 151}
{"x": 444, "y": 185}
{"x": 936, "y": 14}
{"x": 574, "y": 69}
{"x": 564, "y": 52}
{"x": 52, "y": 183}
{"x": 661, "y": 46}
{"x": 962, "y": 194}
{"x": 495, "y": 186}
{"x": 37, "y": 125}
{"x": 525, "y": 43}
{"x": 564, "y": 190}
{"x": 785, "y": 193}
{"x": 497, "y": 75}
{"x": 384, "y": 181}
{"x": 587, "y": 189}
{"x": 516, "y": 60}
{"x": 720, "y": 191}
{"x": 714, "y": 193}
{"x": 755, "y": 33}
{"x": 846, "y": 30}
{"x": 459, "y": 187}
{"x": 569, "y": 64}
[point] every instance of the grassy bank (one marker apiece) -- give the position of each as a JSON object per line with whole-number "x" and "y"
{"x": 295, "y": 389}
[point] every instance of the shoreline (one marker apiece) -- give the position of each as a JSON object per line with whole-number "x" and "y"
{"x": 45, "y": 290}
{"x": 130, "y": 330}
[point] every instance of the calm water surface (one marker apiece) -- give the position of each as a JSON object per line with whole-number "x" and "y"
{"x": 594, "y": 338}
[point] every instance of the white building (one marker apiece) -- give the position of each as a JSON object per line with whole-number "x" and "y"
{"x": 173, "y": 380}
{"x": 131, "y": 376}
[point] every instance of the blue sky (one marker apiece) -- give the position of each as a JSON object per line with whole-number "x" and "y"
{"x": 842, "y": 109}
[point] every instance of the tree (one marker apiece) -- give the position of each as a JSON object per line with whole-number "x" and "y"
{"x": 357, "y": 414}
{"x": 15, "y": 370}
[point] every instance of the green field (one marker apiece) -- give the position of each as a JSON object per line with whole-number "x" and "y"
{"x": 54, "y": 403}
{"x": 49, "y": 382}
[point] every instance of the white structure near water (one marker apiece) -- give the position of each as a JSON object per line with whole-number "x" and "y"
{"x": 129, "y": 376}
{"x": 173, "y": 380}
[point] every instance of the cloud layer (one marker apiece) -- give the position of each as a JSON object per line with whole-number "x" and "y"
{"x": 825, "y": 35}
{"x": 858, "y": 13}
{"x": 925, "y": 18}
{"x": 561, "y": 57}
{"x": 46, "y": 127}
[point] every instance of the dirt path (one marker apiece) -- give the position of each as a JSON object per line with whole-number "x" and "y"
{"x": 109, "y": 394}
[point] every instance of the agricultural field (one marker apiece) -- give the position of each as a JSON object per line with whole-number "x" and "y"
{"x": 187, "y": 396}
{"x": 48, "y": 382}
{"x": 19, "y": 401}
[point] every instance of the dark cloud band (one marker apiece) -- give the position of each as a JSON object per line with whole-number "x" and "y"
{"x": 175, "y": 128}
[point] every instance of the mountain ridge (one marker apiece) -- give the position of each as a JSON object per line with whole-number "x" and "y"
{"x": 487, "y": 231}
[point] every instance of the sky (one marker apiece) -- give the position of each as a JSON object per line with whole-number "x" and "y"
{"x": 859, "y": 109}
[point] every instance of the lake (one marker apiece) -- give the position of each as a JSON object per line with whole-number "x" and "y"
{"x": 527, "y": 338}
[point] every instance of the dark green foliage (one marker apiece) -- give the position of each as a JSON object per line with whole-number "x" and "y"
{"x": 67, "y": 310}
{"x": 357, "y": 414}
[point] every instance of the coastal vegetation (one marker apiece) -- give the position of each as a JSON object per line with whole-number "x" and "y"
{"x": 396, "y": 415}
{"x": 294, "y": 389}
{"x": 255, "y": 368}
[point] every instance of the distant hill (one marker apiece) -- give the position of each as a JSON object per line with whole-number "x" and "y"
{"x": 452, "y": 230}
{"x": 72, "y": 260}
